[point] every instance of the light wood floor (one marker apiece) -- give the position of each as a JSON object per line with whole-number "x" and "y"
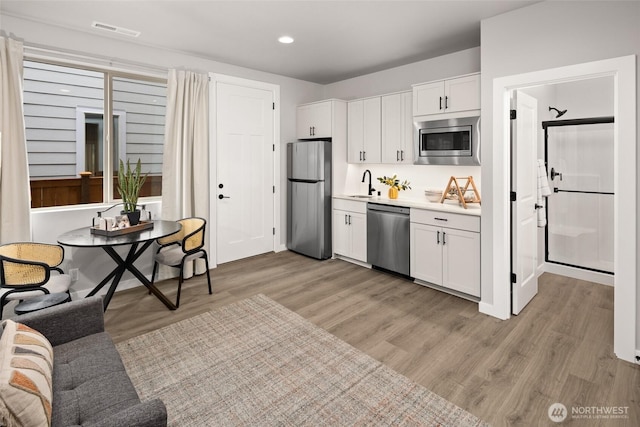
{"x": 559, "y": 349}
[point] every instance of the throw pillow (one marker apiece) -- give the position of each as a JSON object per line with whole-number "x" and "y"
{"x": 26, "y": 366}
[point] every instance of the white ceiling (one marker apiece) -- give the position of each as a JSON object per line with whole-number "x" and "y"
{"x": 334, "y": 40}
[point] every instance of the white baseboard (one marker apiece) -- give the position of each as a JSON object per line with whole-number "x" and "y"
{"x": 123, "y": 285}
{"x": 579, "y": 273}
{"x": 491, "y": 310}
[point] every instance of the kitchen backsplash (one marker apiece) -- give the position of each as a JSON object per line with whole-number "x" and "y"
{"x": 421, "y": 177}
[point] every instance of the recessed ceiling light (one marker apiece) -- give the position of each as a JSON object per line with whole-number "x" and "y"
{"x": 285, "y": 39}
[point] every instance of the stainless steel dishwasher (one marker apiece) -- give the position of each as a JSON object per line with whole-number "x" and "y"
{"x": 388, "y": 237}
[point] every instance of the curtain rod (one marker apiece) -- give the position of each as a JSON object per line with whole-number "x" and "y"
{"x": 32, "y": 51}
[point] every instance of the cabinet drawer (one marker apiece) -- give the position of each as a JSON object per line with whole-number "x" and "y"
{"x": 446, "y": 219}
{"x": 350, "y": 205}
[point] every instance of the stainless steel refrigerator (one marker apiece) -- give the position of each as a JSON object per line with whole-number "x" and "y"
{"x": 309, "y": 198}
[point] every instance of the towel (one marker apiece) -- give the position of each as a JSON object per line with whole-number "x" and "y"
{"x": 543, "y": 191}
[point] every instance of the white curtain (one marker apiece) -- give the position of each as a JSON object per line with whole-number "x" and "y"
{"x": 15, "y": 196}
{"x": 185, "y": 168}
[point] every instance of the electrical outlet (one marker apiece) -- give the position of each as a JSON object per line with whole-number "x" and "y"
{"x": 74, "y": 274}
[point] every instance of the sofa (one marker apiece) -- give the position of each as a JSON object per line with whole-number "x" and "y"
{"x": 88, "y": 382}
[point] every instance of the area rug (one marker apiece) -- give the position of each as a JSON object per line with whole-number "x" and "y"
{"x": 256, "y": 363}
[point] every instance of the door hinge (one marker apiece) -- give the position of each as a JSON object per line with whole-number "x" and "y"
{"x": 513, "y": 196}
{"x": 274, "y": 189}
{"x": 274, "y": 147}
{"x": 512, "y": 114}
{"x": 274, "y": 105}
{"x": 513, "y": 278}
{"x": 274, "y": 231}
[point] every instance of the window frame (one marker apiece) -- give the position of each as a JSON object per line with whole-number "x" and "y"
{"x": 109, "y": 73}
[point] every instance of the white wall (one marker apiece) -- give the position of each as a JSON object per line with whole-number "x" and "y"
{"x": 292, "y": 93}
{"x": 400, "y": 79}
{"x": 539, "y": 37}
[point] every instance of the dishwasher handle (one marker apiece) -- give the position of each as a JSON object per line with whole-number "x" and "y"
{"x": 378, "y": 207}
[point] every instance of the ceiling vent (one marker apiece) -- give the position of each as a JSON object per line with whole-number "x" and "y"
{"x": 114, "y": 29}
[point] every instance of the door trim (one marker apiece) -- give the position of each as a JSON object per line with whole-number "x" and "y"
{"x": 214, "y": 78}
{"x": 496, "y": 241}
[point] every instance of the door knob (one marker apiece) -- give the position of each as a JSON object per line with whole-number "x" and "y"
{"x": 223, "y": 197}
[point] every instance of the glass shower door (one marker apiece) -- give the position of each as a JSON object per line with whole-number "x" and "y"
{"x": 579, "y": 231}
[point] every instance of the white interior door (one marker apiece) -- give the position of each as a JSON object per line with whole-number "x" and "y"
{"x": 244, "y": 190}
{"x": 524, "y": 245}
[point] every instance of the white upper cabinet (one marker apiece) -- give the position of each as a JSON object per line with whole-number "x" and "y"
{"x": 314, "y": 120}
{"x": 397, "y": 128}
{"x": 447, "y": 96}
{"x": 364, "y": 130}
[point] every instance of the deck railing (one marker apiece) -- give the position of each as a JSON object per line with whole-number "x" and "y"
{"x": 85, "y": 189}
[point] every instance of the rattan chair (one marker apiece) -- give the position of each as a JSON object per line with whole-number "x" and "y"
{"x": 28, "y": 270}
{"x": 181, "y": 247}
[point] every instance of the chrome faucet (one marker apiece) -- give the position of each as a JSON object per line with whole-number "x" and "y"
{"x": 371, "y": 189}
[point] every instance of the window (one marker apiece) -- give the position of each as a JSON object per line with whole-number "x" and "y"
{"x": 74, "y": 148}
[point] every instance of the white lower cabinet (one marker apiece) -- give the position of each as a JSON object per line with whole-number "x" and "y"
{"x": 445, "y": 250}
{"x": 350, "y": 229}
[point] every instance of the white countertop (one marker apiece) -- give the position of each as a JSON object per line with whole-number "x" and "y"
{"x": 448, "y": 205}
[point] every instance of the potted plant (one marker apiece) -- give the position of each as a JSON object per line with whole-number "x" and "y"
{"x": 395, "y": 185}
{"x": 129, "y": 184}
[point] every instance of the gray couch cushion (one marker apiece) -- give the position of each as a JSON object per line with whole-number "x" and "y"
{"x": 89, "y": 381}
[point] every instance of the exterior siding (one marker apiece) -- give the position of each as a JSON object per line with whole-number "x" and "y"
{"x": 52, "y": 96}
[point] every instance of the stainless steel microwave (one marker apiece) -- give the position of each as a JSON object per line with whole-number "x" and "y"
{"x": 448, "y": 142}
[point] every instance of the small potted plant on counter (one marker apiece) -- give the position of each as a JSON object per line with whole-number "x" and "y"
{"x": 395, "y": 185}
{"x": 129, "y": 184}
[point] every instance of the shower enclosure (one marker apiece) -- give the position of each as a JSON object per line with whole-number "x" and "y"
{"x": 579, "y": 158}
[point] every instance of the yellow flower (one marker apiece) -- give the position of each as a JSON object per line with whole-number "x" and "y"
{"x": 394, "y": 182}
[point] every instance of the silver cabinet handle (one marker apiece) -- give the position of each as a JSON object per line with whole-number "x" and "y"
{"x": 444, "y": 242}
{"x": 397, "y": 155}
{"x": 349, "y": 219}
{"x": 364, "y": 156}
{"x": 345, "y": 219}
{"x": 402, "y": 155}
{"x": 440, "y": 219}
{"x": 361, "y": 156}
{"x": 438, "y": 238}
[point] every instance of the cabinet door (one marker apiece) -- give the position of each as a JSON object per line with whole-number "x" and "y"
{"x": 428, "y": 98}
{"x": 303, "y": 122}
{"x": 314, "y": 120}
{"x": 392, "y": 128}
{"x": 461, "y": 261}
{"x": 341, "y": 235}
{"x": 407, "y": 138}
{"x": 372, "y": 130}
{"x": 426, "y": 253}
{"x": 462, "y": 93}
{"x": 358, "y": 230}
{"x": 321, "y": 119}
{"x": 355, "y": 131}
